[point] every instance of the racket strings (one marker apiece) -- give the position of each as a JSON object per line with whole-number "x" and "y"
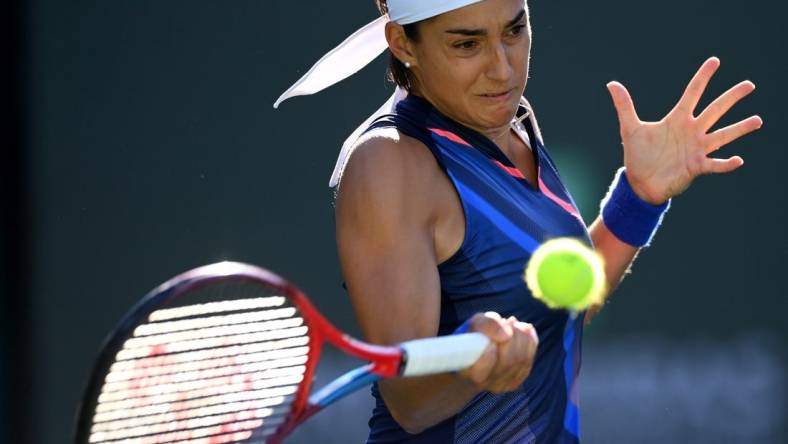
{"x": 144, "y": 386}
{"x": 228, "y": 354}
{"x": 112, "y": 401}
{"x": 220, "y": 371}
{"x": 214, "y": 366}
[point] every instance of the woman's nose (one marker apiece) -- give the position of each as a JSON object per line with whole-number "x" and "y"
{"x": 499, "y": 67}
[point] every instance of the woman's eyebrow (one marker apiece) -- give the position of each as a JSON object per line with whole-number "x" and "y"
{"x": 483, "y": 32}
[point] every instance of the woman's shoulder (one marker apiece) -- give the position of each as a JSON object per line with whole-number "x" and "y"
{"x": 388, "y": 157}
{"x": 393, "y": 186}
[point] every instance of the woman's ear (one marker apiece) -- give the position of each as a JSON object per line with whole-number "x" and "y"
{"x": 400, "y": 45}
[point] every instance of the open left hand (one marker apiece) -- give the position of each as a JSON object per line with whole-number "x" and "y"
{"x": 662, "y": 158}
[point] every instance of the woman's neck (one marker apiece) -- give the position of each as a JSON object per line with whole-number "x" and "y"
{"x": 499, "y": 136}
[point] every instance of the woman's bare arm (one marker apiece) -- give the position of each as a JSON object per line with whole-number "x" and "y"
{"x": 385, "y": 222}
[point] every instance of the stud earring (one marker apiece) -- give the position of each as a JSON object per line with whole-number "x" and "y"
{"x": 407, "y": 65}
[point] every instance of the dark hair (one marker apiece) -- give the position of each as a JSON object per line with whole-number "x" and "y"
{"x": 397, "y": 72}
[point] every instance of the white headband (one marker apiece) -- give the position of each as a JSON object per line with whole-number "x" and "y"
{"x": 405, "y": 12}
{"x": 365, "y": 45}
{"x": 359, "y": 50}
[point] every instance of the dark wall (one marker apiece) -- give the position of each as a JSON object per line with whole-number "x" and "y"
{"x": 14, "y": 236}
{"x": 152, "y": 147}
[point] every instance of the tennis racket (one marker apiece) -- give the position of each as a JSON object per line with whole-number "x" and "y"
{"x": 226, "y": 353}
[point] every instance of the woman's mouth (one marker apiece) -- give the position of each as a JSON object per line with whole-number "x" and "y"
{"x": 499, "y": 96}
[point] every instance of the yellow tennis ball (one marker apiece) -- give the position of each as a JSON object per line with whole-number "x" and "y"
{"x": 565, "y": 273}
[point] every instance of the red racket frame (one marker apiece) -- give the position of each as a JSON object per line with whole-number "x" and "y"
{"x": 384, "y": 361}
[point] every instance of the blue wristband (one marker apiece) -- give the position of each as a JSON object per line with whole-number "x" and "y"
{"x": 627, "y": 216}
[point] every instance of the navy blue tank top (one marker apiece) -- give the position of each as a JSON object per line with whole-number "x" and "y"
{"x": 505, "y": 219}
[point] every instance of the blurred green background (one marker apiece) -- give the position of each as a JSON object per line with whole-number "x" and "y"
{"x": 145, "y": 144}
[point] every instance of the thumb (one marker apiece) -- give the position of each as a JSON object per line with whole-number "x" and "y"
{"x": 625, "y": 108}
{"x": 491, "y": 324}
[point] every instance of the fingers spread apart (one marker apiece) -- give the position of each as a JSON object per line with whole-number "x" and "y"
{"x": 726, "y": 135}
{"x": 697, "y": 86}
{"x": 625, "y": 108}
{"x": 719, "y": 166}
{"x": 724, "y": 103}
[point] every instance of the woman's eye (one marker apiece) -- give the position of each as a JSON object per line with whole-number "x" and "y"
{"x": 470, "y": 44}
{"x": 517, "y": 30}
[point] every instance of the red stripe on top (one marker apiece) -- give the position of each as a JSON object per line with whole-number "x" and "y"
{"x": 515, "y": 173}
{"x": 562, "y": 203}
{"x": 449, "y": 135}
{"x": 511, "y": 170}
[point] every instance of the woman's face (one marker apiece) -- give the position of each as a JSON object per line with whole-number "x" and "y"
{"x": 472, "y": 63}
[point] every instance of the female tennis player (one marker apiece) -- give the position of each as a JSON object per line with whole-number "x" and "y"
{"x": 444, "y": 191}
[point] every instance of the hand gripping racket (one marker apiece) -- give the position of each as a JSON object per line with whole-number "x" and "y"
{"x": 226, "y": 354}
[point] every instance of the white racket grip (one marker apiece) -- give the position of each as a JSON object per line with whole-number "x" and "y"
{"x": 442, "y": 354}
